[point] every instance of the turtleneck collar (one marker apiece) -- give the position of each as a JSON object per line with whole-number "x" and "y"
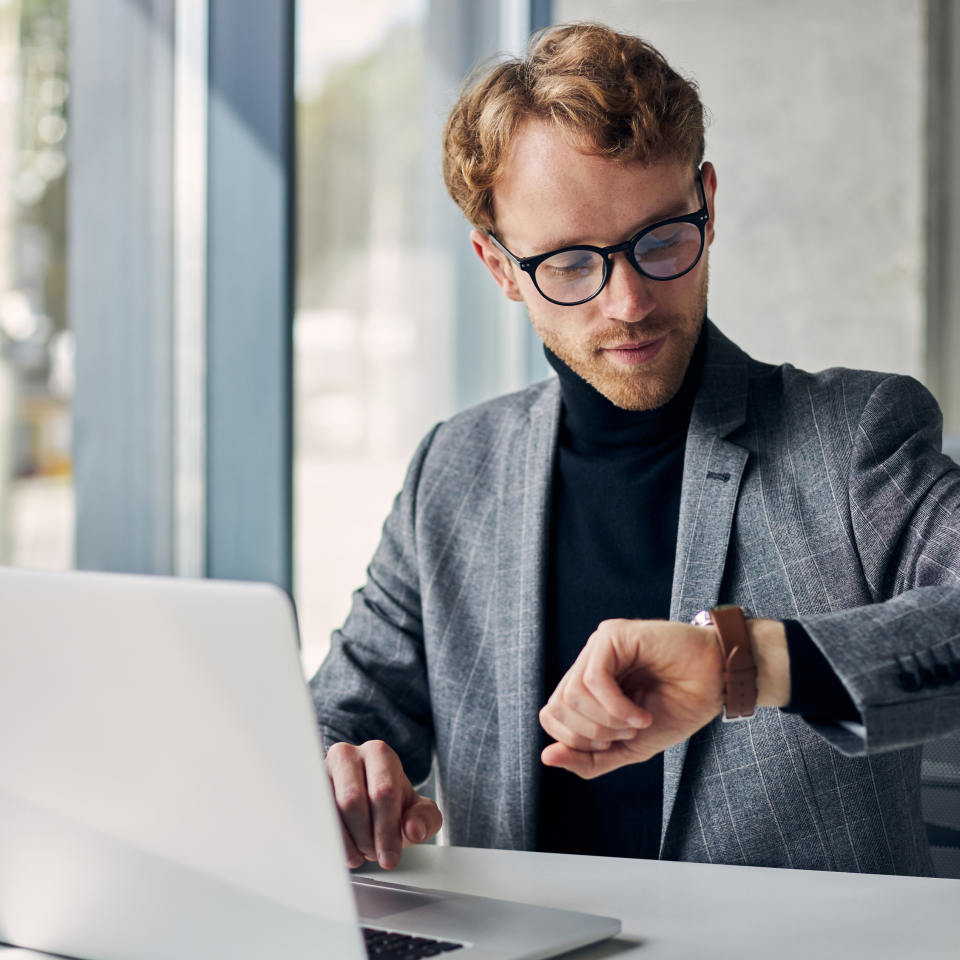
{"x": 591, "y": 418}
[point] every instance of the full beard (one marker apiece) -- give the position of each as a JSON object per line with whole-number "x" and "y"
{"x": 643, "y": 387}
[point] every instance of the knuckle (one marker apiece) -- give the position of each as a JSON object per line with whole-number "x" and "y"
{"x": 378, "y": 751}
{"x": 340, "y": 752}
{"x": 384, "y": 790}
{"x": 593, "y": 731}
{"x": 351, "y": 800}
{"x": 593, "y": 679}
{"x": 592, "y": 672}
{"x": 555, "y": 731}
{"x": 550, "y": 726}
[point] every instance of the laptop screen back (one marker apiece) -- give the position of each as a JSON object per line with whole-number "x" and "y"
{"x": 161, "y": 786}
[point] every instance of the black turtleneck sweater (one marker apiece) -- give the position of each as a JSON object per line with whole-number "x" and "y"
{"x": 613, "y": 536}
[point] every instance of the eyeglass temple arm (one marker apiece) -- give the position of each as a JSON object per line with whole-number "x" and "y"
{"x": 515, "y": 259}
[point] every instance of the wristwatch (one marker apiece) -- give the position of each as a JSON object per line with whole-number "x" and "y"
{"x": 729, "y": 621}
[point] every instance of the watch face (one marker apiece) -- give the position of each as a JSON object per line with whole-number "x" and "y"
{"x": 702, "y": 619}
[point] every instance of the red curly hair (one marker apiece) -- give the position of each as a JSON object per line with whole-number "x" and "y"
{"x": 609, "y": 94}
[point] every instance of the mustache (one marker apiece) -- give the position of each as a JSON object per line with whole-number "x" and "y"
{"x": 627, "y": 333}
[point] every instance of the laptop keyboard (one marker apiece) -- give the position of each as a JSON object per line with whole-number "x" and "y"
{"x": 393, "y": 946}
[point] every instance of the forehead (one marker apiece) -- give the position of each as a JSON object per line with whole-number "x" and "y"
{"x": 551, "y": 195}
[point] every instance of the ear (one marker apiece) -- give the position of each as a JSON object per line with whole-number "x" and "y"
{"x": 709, "y": 174}
{"x": 501, "y": 269}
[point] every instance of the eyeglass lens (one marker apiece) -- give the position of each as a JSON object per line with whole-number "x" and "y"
{"x": 575, "y": 275}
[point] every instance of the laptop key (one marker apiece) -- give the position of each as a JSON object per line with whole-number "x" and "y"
{"x": 386, "y": 945}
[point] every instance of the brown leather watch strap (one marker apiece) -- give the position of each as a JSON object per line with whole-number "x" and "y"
{"x": 739, "y": 668}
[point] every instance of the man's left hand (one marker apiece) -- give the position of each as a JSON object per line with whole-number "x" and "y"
{"x": 641, "y": 686}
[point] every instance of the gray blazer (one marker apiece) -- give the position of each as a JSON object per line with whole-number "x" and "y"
{"x": 822, "y": 497}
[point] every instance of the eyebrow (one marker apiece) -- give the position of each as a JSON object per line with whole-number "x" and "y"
{"x": 678, "y": 209}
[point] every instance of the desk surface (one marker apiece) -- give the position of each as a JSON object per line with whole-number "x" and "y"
{"x": 693, "y": 910}
{"x": 696, "y": 911}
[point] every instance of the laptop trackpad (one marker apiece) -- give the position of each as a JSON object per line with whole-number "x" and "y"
{"x": 374, "y": 901}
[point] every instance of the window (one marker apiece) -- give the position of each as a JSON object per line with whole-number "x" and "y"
{"x": 397, "y": 326}
{"x": 36, "y": 345}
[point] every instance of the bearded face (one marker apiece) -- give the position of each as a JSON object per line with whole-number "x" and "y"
{"x": 632, "y": 341}
{"x": 600, "y": 357}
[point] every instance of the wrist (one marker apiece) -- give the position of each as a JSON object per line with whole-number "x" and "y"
{"x": 738, "y": 665}
{"x": 769, "y": 641}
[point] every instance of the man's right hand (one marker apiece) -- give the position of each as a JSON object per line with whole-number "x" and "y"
{"x": 380, "y": 812}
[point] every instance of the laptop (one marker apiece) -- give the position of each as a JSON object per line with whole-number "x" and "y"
{"x": 163, "y": 797}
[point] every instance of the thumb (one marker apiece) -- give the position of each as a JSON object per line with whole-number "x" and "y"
{"x": 421, "y": 820}
{"x": 586, "y": 764}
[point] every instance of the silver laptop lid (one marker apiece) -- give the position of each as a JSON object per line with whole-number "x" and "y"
{"x": 160, "y": 775}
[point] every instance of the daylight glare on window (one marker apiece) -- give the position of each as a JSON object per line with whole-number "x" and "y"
{"x": 360, "y": 358}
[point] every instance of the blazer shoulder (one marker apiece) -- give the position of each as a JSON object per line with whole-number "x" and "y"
{"x": 854, "y": 389}
{"x": 457, "y": 450}
{"x": 485, "y": 423}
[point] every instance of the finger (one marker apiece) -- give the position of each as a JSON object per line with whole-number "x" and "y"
{"x": 573, "y": 692}
{"x": 599, "y": 680}
{"x": 580, "y": 723}
{"x": 386, "y": 783}
{"x": 571, "y": 697}
{"x": 573, "y": 739}
{"x": 348, "y": 779}
{"x": 579, "y": 700}
{"x": 354, "y": 857}
{"x": 421, "y": 820}
{"x": 588, "y": 764}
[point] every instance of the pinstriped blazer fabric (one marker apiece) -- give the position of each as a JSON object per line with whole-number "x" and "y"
{"x": 817, "y": 496}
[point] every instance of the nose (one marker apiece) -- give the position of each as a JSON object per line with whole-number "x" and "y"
{"x": 628, "y": 295}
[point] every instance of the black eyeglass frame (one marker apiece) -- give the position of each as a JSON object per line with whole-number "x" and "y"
{"x": 529, "y": 264}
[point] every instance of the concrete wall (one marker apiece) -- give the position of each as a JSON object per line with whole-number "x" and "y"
{"x": 818, "y": 138}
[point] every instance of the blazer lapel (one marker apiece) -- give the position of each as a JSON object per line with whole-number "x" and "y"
{"x": 522, "y": 545}
{"x": 712, "y": 470}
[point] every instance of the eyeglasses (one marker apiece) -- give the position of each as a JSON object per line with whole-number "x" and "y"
{"x": 664, "y": 251}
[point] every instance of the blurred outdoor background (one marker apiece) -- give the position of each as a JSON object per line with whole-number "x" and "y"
{"x": 36, "y": 348}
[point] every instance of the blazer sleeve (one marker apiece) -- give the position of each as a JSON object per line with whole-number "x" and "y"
{"x": 373, "y": 683}
{"x": 899, "y": 658}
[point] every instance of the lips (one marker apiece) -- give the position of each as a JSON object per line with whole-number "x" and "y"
{"x": 634, "y": 354}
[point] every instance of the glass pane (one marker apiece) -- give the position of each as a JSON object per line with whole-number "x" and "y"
{"x": 36, "y": 347}
{"x": 362, "y": 346}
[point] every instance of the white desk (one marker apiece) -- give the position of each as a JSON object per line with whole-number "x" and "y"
{"x": 704, "y": 912}
{"x": 695, "y": 911}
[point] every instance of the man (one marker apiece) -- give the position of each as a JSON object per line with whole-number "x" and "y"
{"x": 548, "y": 549}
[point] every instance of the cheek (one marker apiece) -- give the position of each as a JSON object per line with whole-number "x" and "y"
{"x": 528, "y": 291}
{"x": 684, "y": 294}
{"x": 568, "y": 325}
{"x": 677, "y": 291}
